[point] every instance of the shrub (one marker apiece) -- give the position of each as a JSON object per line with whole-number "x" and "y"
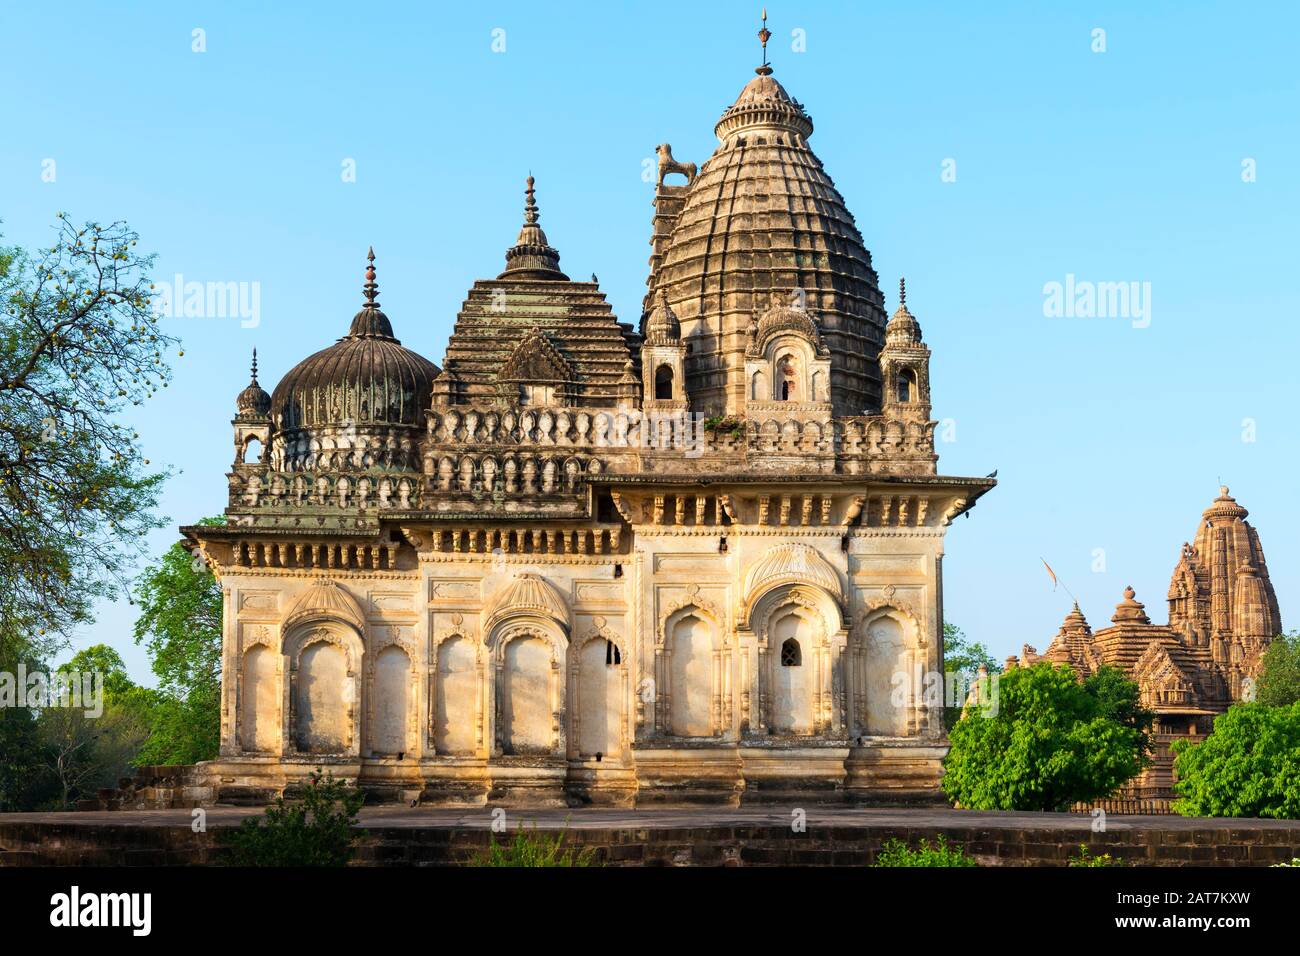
{"x": 1249, "y": 766}
{"x": 941, "y": 853}
{"x": 1051, "y": 741}
{"x": 1086, "y": 857}
{"x": 318, "y": 830}
{"x": 530, "y": 848}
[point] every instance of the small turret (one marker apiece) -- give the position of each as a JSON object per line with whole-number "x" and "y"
{"x": 663, "y": 361}
{"x": 905, "y": 365}
{"x": 252, "y": 418}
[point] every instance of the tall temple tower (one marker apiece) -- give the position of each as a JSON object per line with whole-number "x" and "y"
{"x": 1223, "y": 614}
{"x": 698, "y": 561}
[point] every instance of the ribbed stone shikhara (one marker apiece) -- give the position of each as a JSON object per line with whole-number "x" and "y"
{"x": 763, "y": 222}
{"x": 1223, "y": 615}
{"x": 580, "y": 562}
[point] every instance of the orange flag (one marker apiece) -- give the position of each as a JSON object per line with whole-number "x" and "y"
{"x": 1051, "y": 572}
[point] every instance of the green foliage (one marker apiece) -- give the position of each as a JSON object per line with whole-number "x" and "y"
{"x": 1086, "y": 857}
{"x": 79, "y": 343}
{"x": 962, "y": 659}
{"x": 725, "y": 423}
{"x": 1295, "y": 861}
{"x": 940, "y": 853}
{"x": 530, "y": 848}
{"x": 1279, "y": 674}
{"x": 183, "y": 731}
{"x": 1051, "y": 741}
{"x": 22, "y": 761}
{"x": 1248, "y": 767}
{"x": 180, "y": 627}
{"x": 84, "y": 751}
{"x": 1120, "y": 698}
{"x": 318, "y": 830}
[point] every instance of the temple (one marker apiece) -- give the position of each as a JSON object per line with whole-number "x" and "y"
{"x": 585, "y": 562}
{"x": 1222, "y": 616}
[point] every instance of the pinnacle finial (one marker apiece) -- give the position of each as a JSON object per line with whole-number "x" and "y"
{"x": 764, "y": 34}
{"x": 371, "y": 288}
{"x": 902, "y": 292}
{"x": 254, "y": 382}
{"x": 530, "y": 204}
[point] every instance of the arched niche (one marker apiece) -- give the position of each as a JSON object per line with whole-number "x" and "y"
{"x": 601, "y": 705}
{"x": 324, "y": 688}
{"x": 883, "y": 656}
{"x": 390, "y": 703}
{"x": 799, "y": 639}
{"x": 693, "y": 682}
{"x": 529, "y": 656}
{"x": 259, "y": 697}
{"x": 456, "y": 697}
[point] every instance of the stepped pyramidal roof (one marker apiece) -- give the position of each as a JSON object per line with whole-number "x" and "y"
{"x": 534, "y": 325}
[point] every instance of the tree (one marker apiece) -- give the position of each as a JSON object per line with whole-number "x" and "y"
{"x": 79, "y": 342}
{"x": 180, "y": 627}
{"x": 1052, "y": 740}
{"x": 1279, "y": 674}
{"x": 85, "y": 750}
{"x": 962, "y": 660}
{"x": 1249, "y": 766}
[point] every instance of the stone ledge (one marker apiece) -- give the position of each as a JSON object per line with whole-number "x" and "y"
{"x": 670, "y": 837}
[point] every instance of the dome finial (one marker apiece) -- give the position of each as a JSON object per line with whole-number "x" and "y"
{"x": 530, "y": 204}
{"x": 902, "y": 291}
{"x": 253, "y": 400}
{"x": 764, "y": 34}
{"x": 531, "y": 257}
{"x": 371, "y": 287}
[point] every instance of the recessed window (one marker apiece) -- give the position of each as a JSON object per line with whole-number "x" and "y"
{"x": 791, "y": 656}
{"x": 663, "y": 382}
{"x": 906, "y": 384}
{"x": 612, "y": 656}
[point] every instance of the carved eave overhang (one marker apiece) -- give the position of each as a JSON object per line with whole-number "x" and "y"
{"x": 813, "y": 503}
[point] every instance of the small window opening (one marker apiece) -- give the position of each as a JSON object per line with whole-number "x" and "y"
{"x": 790, "y": 654}
{"x": 906, "y": 385}
{"x": 612, "y": 656}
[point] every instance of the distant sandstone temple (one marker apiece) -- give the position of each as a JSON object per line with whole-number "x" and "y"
{"x": 1222, "y": 616}
{"x": 585, "y": 562}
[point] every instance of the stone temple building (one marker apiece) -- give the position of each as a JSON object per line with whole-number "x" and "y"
{"x": 1222, "y": 616}
{"x": 582, "y": 561}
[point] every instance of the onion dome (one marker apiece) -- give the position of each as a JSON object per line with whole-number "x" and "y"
{"x": 763, "y": 215}
{"x": 253, "y": 402}
{"x": 531, "y": 257}
{"x": 1224, "y": 506}
{"x": 365, "y": 378}
{"x": 903, "y": 329}
{"x": 662, "y": 326}
{"x": 1130, "y": 610}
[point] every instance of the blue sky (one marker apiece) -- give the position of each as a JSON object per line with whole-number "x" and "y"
{"x": 1115, "y": 166}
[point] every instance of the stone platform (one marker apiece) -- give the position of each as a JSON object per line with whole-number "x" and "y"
{"x": 673, "y": 837}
